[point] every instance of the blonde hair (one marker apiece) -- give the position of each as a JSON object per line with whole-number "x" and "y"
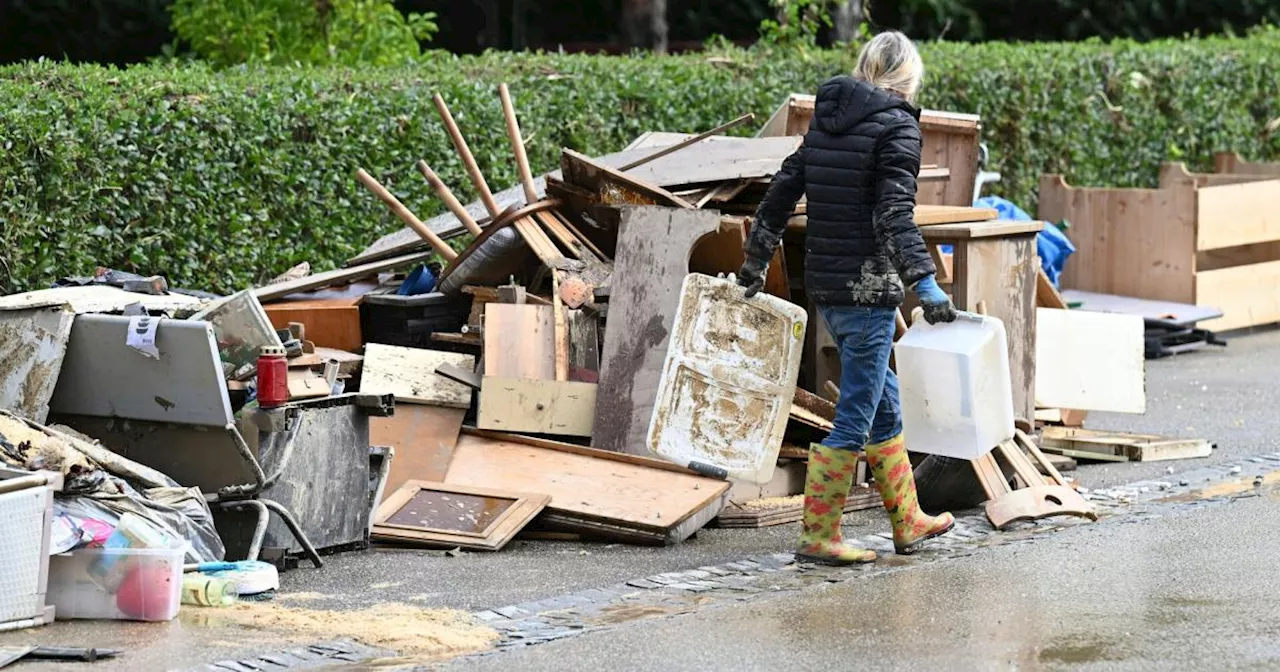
{"x": 890, "y": 61}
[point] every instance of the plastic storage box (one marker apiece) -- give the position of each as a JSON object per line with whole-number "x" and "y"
{"x": 131, "y": 584}
{"x": 957, "y": 398}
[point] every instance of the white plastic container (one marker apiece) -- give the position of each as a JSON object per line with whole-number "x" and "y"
{"x": 957, "y": 398}
{"x": 728, "y": 380}
{"x": 129, "y": 584}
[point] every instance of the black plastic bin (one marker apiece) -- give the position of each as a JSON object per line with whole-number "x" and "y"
{"x": 392, "y": 319}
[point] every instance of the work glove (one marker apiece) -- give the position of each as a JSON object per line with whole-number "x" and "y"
{"x": 937, "y": 305}
{"x": 751, "y": 276}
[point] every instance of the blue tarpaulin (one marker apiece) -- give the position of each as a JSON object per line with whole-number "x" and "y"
{"x": 1052, "y": 246}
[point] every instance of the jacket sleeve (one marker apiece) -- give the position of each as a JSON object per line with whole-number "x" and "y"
{"x": 775, "y": 208}
{"x": 897, "y": 165}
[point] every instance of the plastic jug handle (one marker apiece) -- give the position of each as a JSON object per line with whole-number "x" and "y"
{"x": 972, "y": 317}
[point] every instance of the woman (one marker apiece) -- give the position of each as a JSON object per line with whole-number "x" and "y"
{"x": 857, "y": 169}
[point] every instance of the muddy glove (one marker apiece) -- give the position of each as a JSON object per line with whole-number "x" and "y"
{"x": 751, "y": 276}
{"x": 937, "y": 305}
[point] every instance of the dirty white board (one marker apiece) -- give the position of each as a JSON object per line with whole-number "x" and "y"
{"x": 97, "y": 299}
{"x": 728, "y": 380}
{"x": 32, "y": 346}
{"x": 1090, "y": 361}
{"x": 410, "y": 375}
{"x": 102, "y": 376}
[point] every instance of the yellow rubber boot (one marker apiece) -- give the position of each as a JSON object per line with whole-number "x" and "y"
{"x": 826, "y": 486}
{"x": 892, "y": 472}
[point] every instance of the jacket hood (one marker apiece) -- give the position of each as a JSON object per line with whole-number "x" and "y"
{"x": 843, "y": 101}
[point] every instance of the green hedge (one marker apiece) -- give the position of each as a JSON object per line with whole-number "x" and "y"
{"x": 223, "y": 179}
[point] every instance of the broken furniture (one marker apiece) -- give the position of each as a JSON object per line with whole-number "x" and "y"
{"x": 1169, "y": 328}
{"x": 26, "y": 514}
{"x": 1040, "y": 491}
{"x": 171, "y": 413}
{"x": 440, "y": 515}
{"x": 1205, "y": 245}
{"x": 595, "y": 493}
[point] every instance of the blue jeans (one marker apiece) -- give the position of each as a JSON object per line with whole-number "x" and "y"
{"x": 868, "y": 410}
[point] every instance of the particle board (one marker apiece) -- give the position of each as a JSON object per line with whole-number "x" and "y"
{"x": 423, "y": 438}
{"x": 654, "y": 246}
{"x": 537, "y": 406}
{"x": 330, "y": 323}
{"x": 33, "y": 344}
{"x": 410, "y": 375}
{"x": 519, "y": 341}
{"x": 1090, "y": 361}
{"x": 595, "y": 491}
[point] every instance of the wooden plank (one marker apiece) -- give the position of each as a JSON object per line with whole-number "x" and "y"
{"x": 589, "y": 485}
{"x": 584, "y": 346}
{"x": 410, "y": 375}
{"x": 307, "y": 384}
{"x": 1129, "y": 242}
{"x": 613, "y": 187}
{"x": 560, "y": 329}
{"x": 815, "y": 405}
{"x": 1097, "y": 444}
{"x": 1046, "y": 466}
{"x": 975, "y": 230}
{"x": 330, "y": 323}
{"x": 1237, "y": 214}
{"x": 930, "y": 215}
{"x": 423, "y": 438}
{"x": 1047, "y": 295}
{"x": 1002, "y": 272}
{"x": 1247, "y": 295}
{"x": 1015, "y": 458}
{"x": 474, "y": 522}
{"x": 1232, "y": 162}
{"x": 654, "y": 245}
{"x": 537, "y": 406}
{"x": 339, "y": 276}
{"x": 990, "y": 477}
{"x": 1090, "y": 361}
{"x": 519, "y": 341}
{"x": 1172, "y": 173}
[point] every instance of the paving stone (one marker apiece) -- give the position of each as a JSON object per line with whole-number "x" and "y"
{"x": 512, "y": 612}
{"x": 644, "y": 583}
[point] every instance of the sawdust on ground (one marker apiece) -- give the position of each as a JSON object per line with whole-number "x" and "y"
{"x": 401, "y": 627}
{"x": 769, "y": 503}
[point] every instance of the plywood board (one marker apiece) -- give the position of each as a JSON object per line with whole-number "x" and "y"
{"x": 33, "y": 343}
{"x": 1237, "y": 214}
{"x": 654, "y": 245}
{"x": 410, "y": 375}
{"x": 1130, "y": 242}
{"x": 97, "y": 299}
{"x": 519, "y": 341}
{"x": 537, "y": 406}
{"x": 1090, "y": 361}
{"x": 590, "y": 485}
{"x": 423, "y": 438}
{"x": 103, "y": 377}
{"x": 330, "y": 323}
{"x": 1247, "y": 295}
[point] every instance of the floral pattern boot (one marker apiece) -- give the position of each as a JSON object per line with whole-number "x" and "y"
{"x": 827, "y": 483}
{"x": 892, "y": 472}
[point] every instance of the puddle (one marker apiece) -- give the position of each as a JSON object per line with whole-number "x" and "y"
{"x": 1228, "y": 488}
{"x": 1079, "y": 649}
{"x": 626, "y": 613}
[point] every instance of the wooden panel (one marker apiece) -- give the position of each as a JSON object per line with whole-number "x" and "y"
{"x": 1247, "y": 295}
{"x": 1002, "y": 273}
{"x": 944, "y": 233}
{"x": 1231, "y": 162}
{"x": 1130, "y": 242}
{"x": 481, "y": 519}
{"x": 585, "y": 483}
{"x": 1238, "y": 214}
{"x": 537, "y": 406}
{"x": 423, "y": 438}
{"x": 331, "y": 323}
{"x": 1173, "y": 174}
{"x": 950, "y": 141}
{"x": 339, "y": 276}
{"x": 926, "y": 214}
{"x": 611, "y": 186}
{"x": 652, "y": 260}
{"x": 1090, "y": 361}
{"x": 519, "y": 341}
{"x": 410, "y": 375}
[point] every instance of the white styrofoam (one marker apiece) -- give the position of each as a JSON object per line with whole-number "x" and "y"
{"x": 957, "y": 398}
{"x": 728, "y": 380}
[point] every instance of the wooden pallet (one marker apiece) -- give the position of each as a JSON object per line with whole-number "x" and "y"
{"x": 1102, "y": 446}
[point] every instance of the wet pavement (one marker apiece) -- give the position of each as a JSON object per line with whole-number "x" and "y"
{"x": 1196, "y": 585}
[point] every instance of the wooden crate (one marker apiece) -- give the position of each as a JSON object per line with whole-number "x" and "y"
{"x": 950, "y": 140}
{"x": 1211, "y": 240}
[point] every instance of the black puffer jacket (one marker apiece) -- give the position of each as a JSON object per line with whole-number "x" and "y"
{"x": 857, "y": 169}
